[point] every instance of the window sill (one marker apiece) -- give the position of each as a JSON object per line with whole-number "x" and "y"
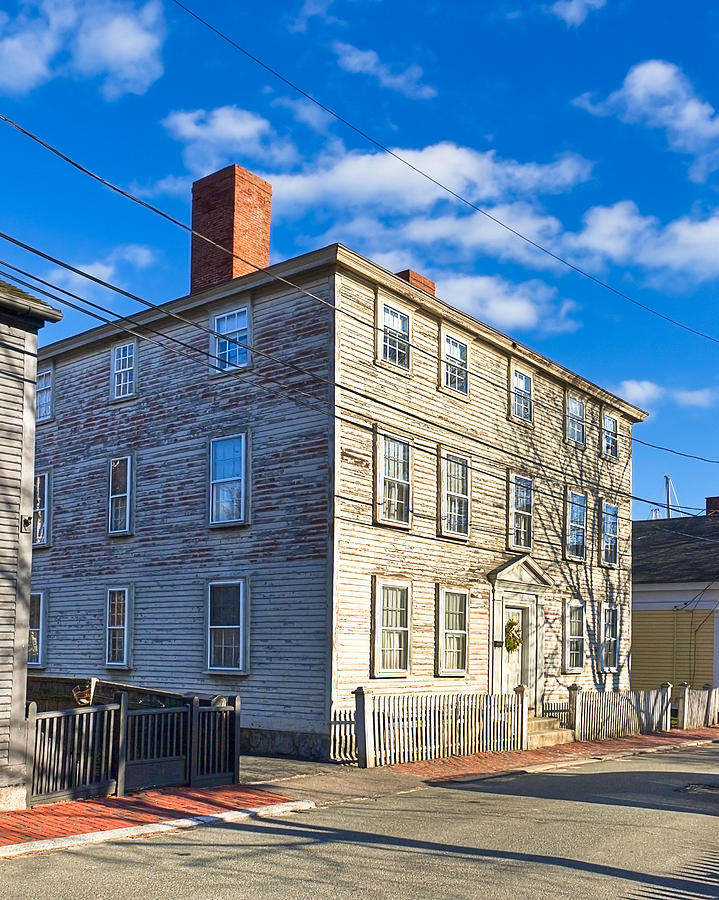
{"x": 391, "y": 367}
{"x": 226, "y": 373}
{"x": 118, "y": 667}
{"x": 242, "y": 672}
{"x": 609, "y": 671}
{"x": 235, "y": 523}
{"x": 402, "y": 526}
{"x": 525, "y": 423}
{"x": 118, "y": 401}
{"x": 516, "y": 549}
{"x": 452, "y": 674}
{"x": 391, "y": 674}
{"x": 575, "y": 559}
{"x": 570, "y": 442}
{"x": 36, "y": 666}
{"x": 47, "y": 546}
{"x": 610, "y": 459}
{"x": 44, "y": 421}
{"x": 120, "y": 534}
{"x": 450, "y": 392}
{"x": 573, "y": 671}
{"x": 453, "y": 536}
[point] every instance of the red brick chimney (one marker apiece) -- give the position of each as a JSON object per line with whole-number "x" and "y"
{"x": 713, "y": 506}
{"x": 417, "y": 280}
{"x": 232, "y": 208}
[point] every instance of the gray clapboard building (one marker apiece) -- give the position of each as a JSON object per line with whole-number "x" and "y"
{"x": 315, "y": 475}
{"x": 20, "y": 318}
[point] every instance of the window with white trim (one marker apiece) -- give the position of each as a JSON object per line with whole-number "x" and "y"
{"x": 395, "y": 337}
{"x": 610, "y": 533}
{"x": 610, "y": 637}
{"x": 43, "y": 395}
{"x": 576, "y": 525}
{"x": 118, "y": 627}
{"x": 521, "y": 519}
{"x": 232, "y": 333}
{"x": 227, "y": 625}
{"x": 610, "y": 436}
{"x": 575, "y": 419}
{"x": 395, "y": 496}
{"x": 36, "y": 630}
{"x": 456, "y": 364}
{"x": 123, "y": 370}
{"x": 521, "y": 395}
{"x": 575, "y": 637}
{"x": 392, "y": 628}
{"x": 453, "y": 610}
{"x": 119, "y": 512}
{"x": 455, "y": 500}
{"x": 228, "y": 479}
{"x": 41, "y": 509}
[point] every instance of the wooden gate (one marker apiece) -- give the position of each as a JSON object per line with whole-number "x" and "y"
{"x": 106, "y": 750}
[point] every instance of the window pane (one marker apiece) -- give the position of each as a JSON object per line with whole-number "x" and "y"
{"x": 116, "y": 608}
{"x": 232, "y": 328}
{"x": 40, "y": 504}
{"x": 396, "y": 459}
{"x": 225, "y": 604}
{"x": 522, "y": 396}
{"x": 118, "y": 476}
{"x": 455, "y": 611}
{"x": 118, "y": 514}
{"x": 394, "y": 606}
{"x": 33, "y": 646}
{"x": 455, "y": 652}
{"x": 35, "y": 607}
{"x": 394, "y": 650}
{"x": 225, "y": 648}
{"x": 523, "y": 494}
{"x": 457, "y": 475}
{"x": 227, "y": 477}
{"x": 455, "y": 368}
{"x": 124, "y": 369}
{"x": 227, "y": 458}
{"x": 395, "y": 339}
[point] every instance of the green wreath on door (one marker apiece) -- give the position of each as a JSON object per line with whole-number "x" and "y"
{"x": 512, "y": 635}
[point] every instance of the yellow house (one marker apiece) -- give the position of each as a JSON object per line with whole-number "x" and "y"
{"x": 675, "y": 600}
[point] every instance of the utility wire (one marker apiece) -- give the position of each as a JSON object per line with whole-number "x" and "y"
{"x": 385, "y": 149}
{"x": 388, "y": 426}
{"x": 265, "y": 270}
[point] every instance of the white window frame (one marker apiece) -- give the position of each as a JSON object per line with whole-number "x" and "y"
{"x": 576, "y": 420}
{"x": 571, "y": 525}
{"x": 447, "y": 495}
{"x": 124, "y": 628}
{"x": 610, "y": 437}
{"x": 41, "y": 631}
{"x": 453, "y": 369}
{"x": 569, "y": 638}
{"x": 384, "y": 332}
{"x": 45, "y": 382}
{"x": 514, "y": 512}
{"x": 242, "y": 626}
{"x": 380, "y": 584}
{"x": 607, "y": 539}
{"x": 45, "y": 477}
{"x": 521, "y": 402}
{"x": 242, "y": 436}
{"x": 221, "y": 347}
{"x": 443, "y": 631}
{"x": 382, "y": 438}
{"x": 127, "y": 494}
{"x": 608, "y": 608}
{"x": 123, "y": 371}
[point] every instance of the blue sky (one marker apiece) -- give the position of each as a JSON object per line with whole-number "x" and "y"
{"x": 589, "y": 125}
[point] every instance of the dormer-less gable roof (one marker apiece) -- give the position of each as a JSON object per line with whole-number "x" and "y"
{"x": 23, "y": 308}
{"x": 675, "y": 550}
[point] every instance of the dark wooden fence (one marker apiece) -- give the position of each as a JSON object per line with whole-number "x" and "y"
{"x": 110, "y": 749}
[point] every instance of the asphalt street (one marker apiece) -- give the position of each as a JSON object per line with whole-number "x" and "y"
{"x": 642, "y": 827}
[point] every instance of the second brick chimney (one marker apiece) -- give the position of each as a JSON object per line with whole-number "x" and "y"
{"x": 231, "y": 207}
{"x": 417, "y": 280}
{"x": 712, "y": 506}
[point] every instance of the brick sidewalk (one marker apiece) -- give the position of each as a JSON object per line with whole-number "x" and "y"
{"x": 492, "y": 763}
{"x": 78, "y": 817}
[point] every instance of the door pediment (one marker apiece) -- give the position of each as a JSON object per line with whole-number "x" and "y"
{"x": 522, "y": 570}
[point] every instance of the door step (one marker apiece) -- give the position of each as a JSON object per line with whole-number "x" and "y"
{"x": 547, "y": 732}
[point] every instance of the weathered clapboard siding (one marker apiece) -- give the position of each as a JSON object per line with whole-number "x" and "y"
{"x": 674, "y": 645}
{"x": 481, "y": 429}
{"x": 172, "y": 553}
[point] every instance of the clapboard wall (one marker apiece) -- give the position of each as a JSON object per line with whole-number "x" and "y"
{"x": 173, "y": 553}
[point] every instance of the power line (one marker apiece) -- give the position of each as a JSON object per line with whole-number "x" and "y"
{"x": 265, "y": 270}
{"x": 391, "y": 427}
{"x": 385, "y": 149}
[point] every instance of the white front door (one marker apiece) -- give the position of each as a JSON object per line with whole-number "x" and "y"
{"x": 514, "y": 668}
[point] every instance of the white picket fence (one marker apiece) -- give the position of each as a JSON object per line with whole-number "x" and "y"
{"x": 343, "y": 740}
{"x": 400, "y": 728}
{"x": 596, "y": 716}
{"x": 698, "y": 708}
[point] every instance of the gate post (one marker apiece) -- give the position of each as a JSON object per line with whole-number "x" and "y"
{"x": 364, "y": 728}
{"x": 236, "y": 743}
{"x": 193, "y": 743}
{"x": 575, "y": 710}
{"x": 30, "y": 744}
{"x": 521, "y": 692}
{"x": 666, "y": 721}
{"x": 683, "y": 705}
{"x": 121, "y": 744}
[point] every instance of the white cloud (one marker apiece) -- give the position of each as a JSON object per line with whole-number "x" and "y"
{"x": 114, "y": 40}
{"x": 529, "y": 305}
{"x": 574, "y": 12}
{"x": 306, "y": 113}
{"x": 377, "y": 181}
{"x": 648, "y": 393}
{"x": 313, "y": 9}
{"x": 367, "y": 62}
{"x": 136, "y": 256}
{"x": 658, "y": 94}
{"x": 123, "y": 45}
{"x": 702, "y": 397}
{"x": 216, "y": 137}
{"x": 641, "y": 393}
